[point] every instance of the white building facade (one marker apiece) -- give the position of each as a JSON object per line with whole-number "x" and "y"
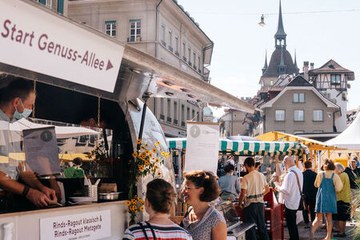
{"x": 160, "y": 28}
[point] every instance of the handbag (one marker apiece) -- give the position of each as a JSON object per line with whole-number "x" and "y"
{"x": 302, "y": 204}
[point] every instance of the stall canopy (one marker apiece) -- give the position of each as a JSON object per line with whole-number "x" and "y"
{"x": 263, "y": 148}
{"x": 60, "y": 131}
{"x": 280, "y": 136}
{"x": 349, "y": 138}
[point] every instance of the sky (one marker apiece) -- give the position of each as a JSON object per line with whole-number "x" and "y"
{"x": 317, "y": 30}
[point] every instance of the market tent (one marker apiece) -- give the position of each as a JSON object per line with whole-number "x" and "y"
{"x": 60, "y": 131}
{"x": 248, "y": 147}
{"x": 349, "y": 138}
{"x": 280, "y": 136}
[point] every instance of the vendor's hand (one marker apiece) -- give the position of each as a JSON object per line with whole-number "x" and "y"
{"x": 38, "y": 198}
{"x": 50, "y": 193}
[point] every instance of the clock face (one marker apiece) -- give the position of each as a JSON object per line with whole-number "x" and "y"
{"x": 195, "y": 131}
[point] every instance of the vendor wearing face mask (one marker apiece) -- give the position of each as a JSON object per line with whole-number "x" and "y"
{"x": 17, "y": 101}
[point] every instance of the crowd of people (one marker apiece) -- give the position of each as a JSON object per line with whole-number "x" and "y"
{"x": 326, "y": 196}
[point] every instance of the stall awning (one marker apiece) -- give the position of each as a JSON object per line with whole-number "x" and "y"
{"x": 263, "y": 148}
{"x": 310, "y": 143}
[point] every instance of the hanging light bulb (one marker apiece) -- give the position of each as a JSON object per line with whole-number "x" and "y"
{"x": 262, "y": 20}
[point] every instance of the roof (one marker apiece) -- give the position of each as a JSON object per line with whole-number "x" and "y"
{"x": 332, "y": 67}
{"x": 299, "y": 81}
{"x": 296, "y": 85}
{"x": 272, "y": 70}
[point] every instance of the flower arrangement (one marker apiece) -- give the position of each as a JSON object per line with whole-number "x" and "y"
{"x": 136, "y": 204}
{"x": 146, "y": 160}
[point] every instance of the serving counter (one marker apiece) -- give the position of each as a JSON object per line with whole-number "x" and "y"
{"x": 105, "y": 220}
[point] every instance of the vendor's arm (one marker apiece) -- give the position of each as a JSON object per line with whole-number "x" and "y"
{"x": 30, "y": 178}
{"x": 38, "y": 198}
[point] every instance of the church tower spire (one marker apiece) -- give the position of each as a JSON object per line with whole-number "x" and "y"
{"x": 266, "y": 64}
{"x": 280, "y": 35}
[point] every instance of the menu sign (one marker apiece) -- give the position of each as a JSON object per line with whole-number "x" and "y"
{"x": 41, "y": 150}
{"x": 54, "y": 46}
{"x": 91, "y": 225}
{"x": 202, "y": 146}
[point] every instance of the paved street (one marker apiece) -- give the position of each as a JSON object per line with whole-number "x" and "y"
{"x": 304, "y": 233}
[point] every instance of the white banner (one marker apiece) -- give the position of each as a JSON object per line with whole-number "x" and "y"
{"x": 37, "y": 40}
{"x": 86, "y": 226}
{"x": 202, "y": 146}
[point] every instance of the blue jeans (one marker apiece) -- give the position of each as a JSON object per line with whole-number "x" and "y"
{"x": 254, "y": 213}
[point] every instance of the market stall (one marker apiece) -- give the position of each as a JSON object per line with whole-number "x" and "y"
{"x": 104, "y": 81}
{"x": 273, "y": 209}
{"x": 248, "y": 148}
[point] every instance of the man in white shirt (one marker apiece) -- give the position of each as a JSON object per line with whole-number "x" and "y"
{"x": 289, "y": 190}
{"x": 253, "y": 189}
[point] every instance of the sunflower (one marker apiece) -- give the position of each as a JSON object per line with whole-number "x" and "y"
{"x": 141, "y": 168}
{"x": 128, "y": 203}
{"x": 132, "y": 208}
{"x": 157, "y": 160}
{"x": 157, "y": 144}
{"x": 134, "y": 201}
{"x": 141, "y": 208}
{"x": 147, "y": 163}
{"x": 135, "y": 154}
{"x": 138, "y": 141}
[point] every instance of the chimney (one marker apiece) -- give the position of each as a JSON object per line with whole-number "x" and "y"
{"x": 306, "y": 70}
{"x": 311, "y": 66}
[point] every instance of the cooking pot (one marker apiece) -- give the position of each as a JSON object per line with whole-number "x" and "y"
{"x": 109, "y": 196}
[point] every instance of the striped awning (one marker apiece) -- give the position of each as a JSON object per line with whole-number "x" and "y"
{"x": 246, "y": 148}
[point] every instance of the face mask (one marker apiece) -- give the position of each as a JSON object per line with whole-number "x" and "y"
{"x": 26, "y": 113}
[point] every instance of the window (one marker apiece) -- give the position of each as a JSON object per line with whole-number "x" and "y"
{"x": 168, "y": 108}
{"x": 170, "y": 41}
{"x": 198, "y": 116}
{"x": 335, "y": 79}
{"x": 175, "y": 112}
{"x": 182, "y": 115}
{"x": 135, "y": 30}
{"x": 163, "y": 35}
{"x": 298, "y": 97}
{"x": 194, "y": 59}
{"x": 161, "y": 106}
{"x": 60, "y": 6}
{"x": 189, "y": 55}
{"x": 188, "y": 113}
{"x": 184, "y": 51}
{"x": 177, "y": 45}
{"x": 193, "y": 114}
{"x": 318, "y": 115}
{"x": 110, "y": 28}
{"x": 279, "y": 115}
{"x": 298, "y": 115}
{"x": 199, "y": 63}
{"x": 45, "y": 2}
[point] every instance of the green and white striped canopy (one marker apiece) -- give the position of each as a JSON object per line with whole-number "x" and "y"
{"x": 248, "y": 147}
